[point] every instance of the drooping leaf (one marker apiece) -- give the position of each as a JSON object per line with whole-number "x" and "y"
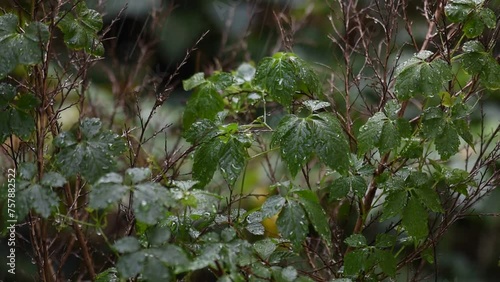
{"x": 296, "y": 140}
{"x": 277, "y": 75}
{"x": 265, "y": 247}
{"x": 106, "y": 191}
{"x": 369, "y": 133}
{"x": 80, "y": 27}
{"x": 136, "y": 175}
{"x": 447, "y": 143}
{"x": 155, "y": 270}
{"x": 389, "y": 138}
{"x": 394, "y": 204}
{"x": 330, "y": 143}
{"x": 202, "y": 130}
{"x": 386, "y": 261}
{"x": 429, "y": 198}
{"x": 433, "y": 122}
{"x": 414, "y": 219}
{"x": 354, "y": 262}
{"x": 308, "y": 81}
{"x": 420, "y": 77}
{"x": 384, "y": 240}
{"x": 315, "y": 213}
{"x": 20, "y": 45}
{"x": 205, "y": 159}
{"x": 129, "y": 265}
{"x": 315, "y": 105}
{"x": 292, "y": 223}
{"x": 232, "y": 160}
{"x": 205, "y": 103}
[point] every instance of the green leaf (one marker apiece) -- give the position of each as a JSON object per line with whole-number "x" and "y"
{"x": 356, "y": 241}
{"x": 20, "y": 45}
{"x": 53, "y": 179}
{"x": 277, "y": 76}
{"x": 109, "y": 275}
{"x": 429, "y": 198}
{"x": 384, "y": 240}
{"x": 16, "y": 112}
{"x": 308, "y": 80}
{"x": 194, "y": 81}
{"x": 331, "y": 145}
{"x": 341, "y": 186}
{"x": 136, "y": 175}
{"x": 315, "y": 213}
{"x": 394, "y": 204}
{"x": 354, "y": 262}
{"x": 155, "y": 270}
{"x": 80, "y": 27}
{"x": 458, "y": 10}
{"x": 265, "y": 247}
{"x": 292, "y": 223}
{"x": 272, "y": 206}
{"x": 150, "y": 202}
{"x": 369, "y": 133}
{"x": 412, "y": 150}
{"x": 129, "y": 265}
{"x": 93, "y": 156}
{"x": 42, "y": 199}
{"x": 232, "y": 160}
{"x": 202, "y": 130}
{"x": 205, "y": 103}
{"x": 386, "y": 261}
{"x": 127, "y": 245}
{"x": 415, "y": 219}
{"x": 107, "y": 191}
{"x": 315, "y": 105}
{"x": 296, "y": 139}
{"x": 420, "y": 77}
{"x": 207, "y": 255}
{"x": 447, "y": 143}
{"x": 205, "y": 158}
{"x": 27, "y": 171}
{"x": 472, "y": 14}
{"x": 221, "y": 80}
{"x": 476, "y": 61}
{"x": 389, "y": 138}
{"x": 433, "y": 122}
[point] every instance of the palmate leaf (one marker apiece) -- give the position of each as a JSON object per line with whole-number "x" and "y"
{"x": 417, "y": 76}
{"x": 80, "y": 27}
{"x": 93, "y": 155}
{"x": 292, "y": 223}
{"x": 42, "y": 199}
{"x": 474, "y": 16}
{"x": 320, "y": 133}
{"x": 476, "y": 61}
{"x": 20, "y": 47}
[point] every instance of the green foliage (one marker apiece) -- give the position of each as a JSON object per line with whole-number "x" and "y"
{"x": 87, "y": 150}
{"x": 15, "y": 112}
{"x": 388, "y": 166}
{"x": 80, "y": 26}
{"x": 417, "y": 76}
{"x": 20, "y": 45}
{"x": 472, "y": 14}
